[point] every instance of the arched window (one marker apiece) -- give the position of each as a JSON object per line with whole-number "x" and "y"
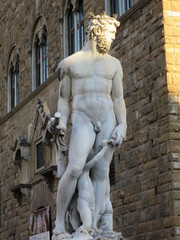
{"x": 74, "y": 22}
{"x": 118, "y": 7}
{"x": 13, "y": 80}
{"x": 39, "y": 55}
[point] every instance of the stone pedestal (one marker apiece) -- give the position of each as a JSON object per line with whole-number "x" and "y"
{"x": 86, "y": 236}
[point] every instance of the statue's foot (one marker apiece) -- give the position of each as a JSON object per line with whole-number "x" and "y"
{"x": 96, "y": 234}
{"x": 82, "y": 234}
{"x": 60, "y": 235}
{"x": 110, "y": 234}
{"x": 97, "y": 231}
{"x": 82, "y": 230}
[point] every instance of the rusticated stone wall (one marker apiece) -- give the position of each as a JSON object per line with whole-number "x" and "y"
{"x": 143, "y": 162}
{"x": 171, "y": 13}
{"x": 147, "y": 164}
{"x": 146, "y": 196}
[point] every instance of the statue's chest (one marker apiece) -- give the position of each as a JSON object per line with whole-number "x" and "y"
{"x": 89, "y": 69}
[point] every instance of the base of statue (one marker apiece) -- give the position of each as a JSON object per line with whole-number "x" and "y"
{"x": 86, "y": 236}
{"x": 61, "y": 236}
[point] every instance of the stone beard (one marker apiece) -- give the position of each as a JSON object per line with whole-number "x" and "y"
{"x": 103, "y": 45}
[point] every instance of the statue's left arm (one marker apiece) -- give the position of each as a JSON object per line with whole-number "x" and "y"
{"x": 119, "y": 105}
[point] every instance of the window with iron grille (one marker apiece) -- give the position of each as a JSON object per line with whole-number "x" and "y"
{"x": 39, "y": 155}
{"x": 112, "y": 172}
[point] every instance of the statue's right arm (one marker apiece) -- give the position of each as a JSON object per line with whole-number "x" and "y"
{"x": 64, "y": 92}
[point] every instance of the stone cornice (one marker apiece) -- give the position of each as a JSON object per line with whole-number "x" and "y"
{"x": 27, "y": 99}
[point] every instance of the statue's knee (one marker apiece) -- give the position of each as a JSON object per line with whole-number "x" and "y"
{"x": 75, "y": 171}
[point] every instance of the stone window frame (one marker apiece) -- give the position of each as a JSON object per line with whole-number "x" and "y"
{"x": 75, "y": 8}
{"x": 39, "y": 47}
{"x": 118, "y": 7}
{"x": 37, "y": 170}
{"x": 13, "y": 90}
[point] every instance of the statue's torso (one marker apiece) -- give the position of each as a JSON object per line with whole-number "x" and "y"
{"x": 92, "y": 84}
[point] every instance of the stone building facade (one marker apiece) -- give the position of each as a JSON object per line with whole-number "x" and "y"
{"x": 34, "y": 39}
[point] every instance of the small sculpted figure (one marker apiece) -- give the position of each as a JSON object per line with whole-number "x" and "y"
{"x": 86, "y": 200}
{"x": 93, "y": 79}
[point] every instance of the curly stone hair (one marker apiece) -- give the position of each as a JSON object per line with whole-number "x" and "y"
{"x": 99, "y": 22}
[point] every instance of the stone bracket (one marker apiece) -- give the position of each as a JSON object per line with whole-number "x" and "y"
{"x": 49, "y": 173}
{"x": 20, "y": 190}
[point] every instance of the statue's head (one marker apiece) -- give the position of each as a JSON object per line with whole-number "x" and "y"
{"x": 102, "y": 28}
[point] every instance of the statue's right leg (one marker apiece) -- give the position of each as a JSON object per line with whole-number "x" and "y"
{"x": 81, "y": 143}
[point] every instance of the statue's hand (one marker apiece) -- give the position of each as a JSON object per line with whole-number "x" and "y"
{"x": 118, "y": 135}
{"x": 55, "y": 127}
{"x": 62, "y": 128}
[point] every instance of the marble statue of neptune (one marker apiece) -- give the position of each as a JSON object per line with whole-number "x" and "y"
{"x": 93, "y": 80}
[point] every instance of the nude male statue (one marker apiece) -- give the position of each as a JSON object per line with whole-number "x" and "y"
{"x": 93, "y": 79}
